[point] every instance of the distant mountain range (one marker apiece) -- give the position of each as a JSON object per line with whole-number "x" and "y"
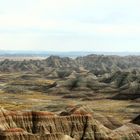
{"x": 62, "y": 54}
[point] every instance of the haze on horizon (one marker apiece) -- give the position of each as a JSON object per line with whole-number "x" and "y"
{"x": 75, "y": 25}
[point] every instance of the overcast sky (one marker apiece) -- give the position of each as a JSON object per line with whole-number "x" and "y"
{"x": 70, "y": 25}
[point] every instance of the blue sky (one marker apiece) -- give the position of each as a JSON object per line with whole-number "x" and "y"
{"x": 70, "y": 25}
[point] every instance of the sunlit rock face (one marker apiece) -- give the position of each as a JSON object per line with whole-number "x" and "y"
{"x": 48, "y": 126}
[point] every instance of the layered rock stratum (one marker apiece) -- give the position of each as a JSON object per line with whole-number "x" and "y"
{"x": 31, "y": 125}
{"x": 107, "y": 79}
{"x": 117, "y": 75}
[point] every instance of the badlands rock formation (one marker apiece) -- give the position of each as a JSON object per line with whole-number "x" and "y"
{"x": 48, "y": 126}
{"x": 116, "y": 75}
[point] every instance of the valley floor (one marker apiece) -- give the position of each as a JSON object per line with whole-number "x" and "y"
{"x": 121, "y": 110}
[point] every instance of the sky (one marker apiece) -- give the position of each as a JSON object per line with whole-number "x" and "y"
{"x": 70, "y": 25}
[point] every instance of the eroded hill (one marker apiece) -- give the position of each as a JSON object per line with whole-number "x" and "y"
{"x": 119, "y": 76}
{"x": 91, "y": 97}
{"x": 48, "y": 126}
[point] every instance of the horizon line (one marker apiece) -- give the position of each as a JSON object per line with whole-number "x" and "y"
{"x": 78, "y": 51}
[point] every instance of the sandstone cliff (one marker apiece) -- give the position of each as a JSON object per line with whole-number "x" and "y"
{"x": 48, "y": 126}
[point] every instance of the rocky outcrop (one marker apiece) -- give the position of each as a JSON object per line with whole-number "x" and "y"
{"x": 99, "y": 64}
{"x": 108, "y": 121}
{"x": 127, "y": 132}
{"x": 119, "y": 76}
{"x": 60, "y": 62}
{"x": 48, "y": 126}
{"x": 45, "y": 125}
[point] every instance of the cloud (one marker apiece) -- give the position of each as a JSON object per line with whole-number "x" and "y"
{"x": 44, "y": 22}
{"x": 27, "y": 24}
